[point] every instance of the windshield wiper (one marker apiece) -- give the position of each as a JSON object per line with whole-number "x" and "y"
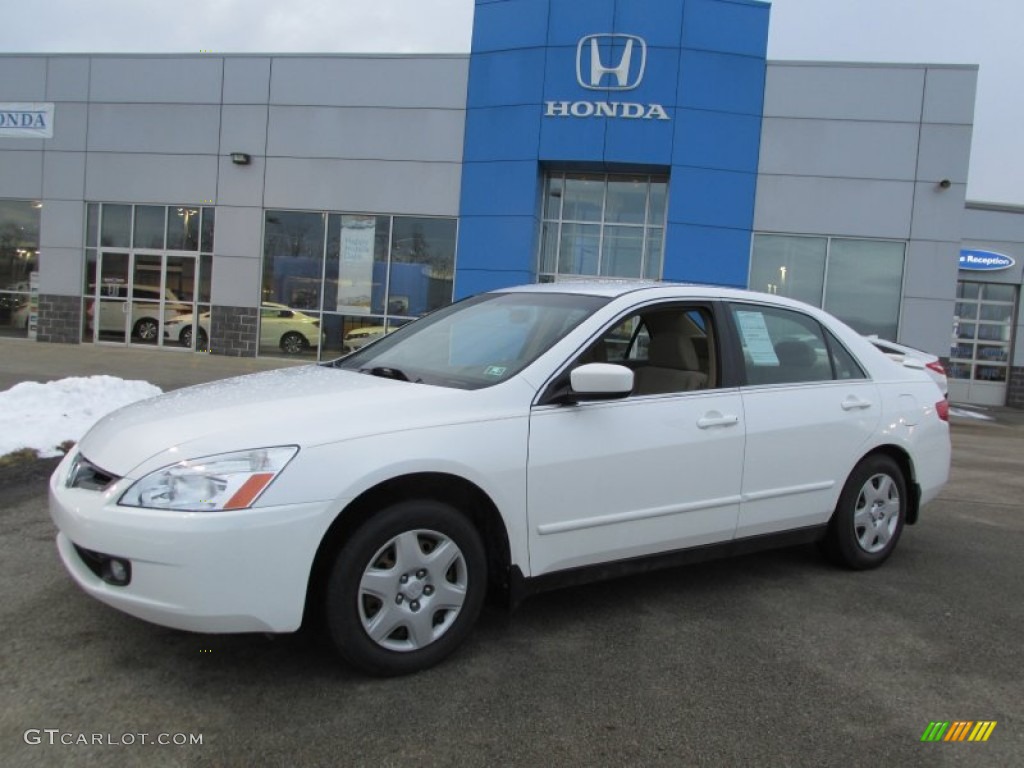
{"x": 385, "y": 372}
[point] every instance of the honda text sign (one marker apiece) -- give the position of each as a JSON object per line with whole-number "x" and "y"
{"x": 608, "y": 62}
{"x": 29, "y": 121}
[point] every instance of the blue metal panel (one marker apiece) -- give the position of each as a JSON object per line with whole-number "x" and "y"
{"x": 721, "y": 81}
{"x": 659, "y": 22}
{"x": 513, "y": 133}
{"x": 568, "y": 20}
{"x": 470, "y": 281}
{"x": 498, "y": 243}
{"x": 508, "y": 188}
{"x": 646, "y": 142}
{"x": 711, "y": 198}
{"x": 508, "y": 25}
{"x": 712, "y": 255}
{"x": 722, "y": 140}
{"x": 508, "y": 77}
{"x": 728, "y": 27}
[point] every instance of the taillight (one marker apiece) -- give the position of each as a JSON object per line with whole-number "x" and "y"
{"x": 942, "y": 409}
{"x": 937, "y": 367}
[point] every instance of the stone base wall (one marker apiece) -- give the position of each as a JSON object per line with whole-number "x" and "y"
{"x": 233, "y": 331}
{"x": 1015, "y": 388}
{"x": 60, "y": 319}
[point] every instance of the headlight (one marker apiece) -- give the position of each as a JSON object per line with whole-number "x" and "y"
{"x": 211, "y": 483}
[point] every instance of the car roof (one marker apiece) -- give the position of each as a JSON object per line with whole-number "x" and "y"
{"x": 611, "y": 288}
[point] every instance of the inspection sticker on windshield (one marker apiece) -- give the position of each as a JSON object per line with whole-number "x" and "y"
{"x": 756, "y": 338}
{"x": 495, "y": 370}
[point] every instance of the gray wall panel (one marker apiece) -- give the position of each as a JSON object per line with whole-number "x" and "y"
{"x": 371, "y": 81}
{"x": 937, "y": 212}
{"x": 159, "y": 128}
{"x": 246, "y": 80}
{"x": 999, "y": 226}
{"x": 239, "y": 232}
{"x": 853, "y": 207}
{"x": 367, "y": 133}
{"x": 243, "y": 129}
{"x": 143, "y": 178}
{"x": 15, "y": 144}
{"x": 362, "y": 185}
{"x": 945, "y": 153}
{"x": 949, "y": 95}
{"x": 63, "y": 175}
{"x": 931, "y": 269}
{"x": 23, "y": 78}
{"x": 67, "y": 78}
{"x": 61, "y": 224}
{"x": 927, "y": 324}
{"x": 70, "y": 122}
{"x": 842, "y": 148}
{"x": 21, "y": 174}
{"x": 843, "y": 91}
{"x": 240, "y": 184}
{"x": 236, "y": 281}
{"x": 60, "y": 270}
{"x": 146, "y": 79}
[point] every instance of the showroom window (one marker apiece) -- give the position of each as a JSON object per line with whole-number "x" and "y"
{"x": 982, "y": 331}
{"x": 602, "y": 225}
{"x": 347, "y": 279}
{"x": 859, "y": 281}
{"x": 147, "y": 274}
{"x": 19, "y": 258}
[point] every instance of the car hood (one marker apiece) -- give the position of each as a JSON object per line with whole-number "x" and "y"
{"x": 304, "y": 406}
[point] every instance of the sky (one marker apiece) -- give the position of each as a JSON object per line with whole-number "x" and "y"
{"x": 982, "y": 32}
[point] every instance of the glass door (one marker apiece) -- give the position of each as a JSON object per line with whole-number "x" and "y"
{"x": 181, "y": 292}
{"x": 146, "y": 297}
{"x": 979, "y": 362}
{"x": 107, "y": 313}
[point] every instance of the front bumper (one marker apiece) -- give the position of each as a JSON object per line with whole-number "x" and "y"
{"x": 237, "y": 571}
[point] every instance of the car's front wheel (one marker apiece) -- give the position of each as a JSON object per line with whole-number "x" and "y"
{"x": 294, "y": 343}
{"x": 870, "y": 515}
{"x": 146, "y": 329}
{"x": 406, "y": 588}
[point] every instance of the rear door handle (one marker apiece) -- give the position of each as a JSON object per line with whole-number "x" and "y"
{"x": 853, "y": 402}
{"x": 716, "y": 419}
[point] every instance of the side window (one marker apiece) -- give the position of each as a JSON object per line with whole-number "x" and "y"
{"x": 782, "y": 346}
{"x": 843, "y": 363}
{"x": 670, "y": 349}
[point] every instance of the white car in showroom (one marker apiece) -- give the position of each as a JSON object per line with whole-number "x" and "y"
{"x": 289, "y": 330}
{"x": 505, "y": 444}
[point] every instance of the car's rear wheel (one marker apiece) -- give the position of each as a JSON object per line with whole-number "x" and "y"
{"x": 185, "y": 337}
{"x": 293, "y": 343}
{"x": 406, "y": 588}
{"x": 146, "y": 329}
{"x": 870, "y": 515}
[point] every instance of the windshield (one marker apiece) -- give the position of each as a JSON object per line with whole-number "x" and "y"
{"x": 475, "y": 343}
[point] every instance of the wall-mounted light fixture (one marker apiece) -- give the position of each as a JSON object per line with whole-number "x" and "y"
{"x": 240, "y": 158}
{"x": 945, "y": 184}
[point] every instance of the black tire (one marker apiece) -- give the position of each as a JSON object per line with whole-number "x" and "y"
{"x": 146, "y": 329}
{"x": 387, "y": 577}
{"x": 870, "y": 515}
{"x": 294, "y": 343}
{"x": 185, "y": 337}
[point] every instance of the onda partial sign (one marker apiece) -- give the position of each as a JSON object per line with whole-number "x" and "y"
{"x": 609, "y": 63}
{"x": 28, "y": 121}
{"x": 984, "y": 261}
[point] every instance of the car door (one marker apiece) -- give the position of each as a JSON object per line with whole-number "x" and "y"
{"x": 656, "y": 471}
{"x": 809, "y": 411}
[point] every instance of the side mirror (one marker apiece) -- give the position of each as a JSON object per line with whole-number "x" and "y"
{"x": 599, "y": 381}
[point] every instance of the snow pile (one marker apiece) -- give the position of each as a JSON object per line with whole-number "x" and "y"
{"x": 42, "y": 416}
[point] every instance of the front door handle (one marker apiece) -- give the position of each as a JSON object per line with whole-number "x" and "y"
{"x": 853, "y": 402}
{"x": 716, "y": 419}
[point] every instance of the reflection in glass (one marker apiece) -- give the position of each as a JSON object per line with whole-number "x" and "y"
{"x": 865, "y": 279}
{"x": 958, "y": 370}
{"x": 183, "y": 228}
{"x": 116, "y": 226}
{"x": 999, "y": 292}
{"x": 149, "y": 226}
{"x": 991, "y": 373}
{"x": 654, "y": 253}
{"x": 92, "y": 219}
{"x": 994, "y": 332}
{"x": 355, "y": 272}
{"x": 554, "y": 190}
{"x": 789, "y": 266}
{"x": 422, "y": 273}
{"x": 293, "y": 248}
{"x": 206, "y": 241}
{"x": 627, "y": 202}
{"x": 288, "y": 331}
{"x": 966, "y": 310}
{"x": 583, "y": 198}
{"x": 579, "y": 248}
{"x": 1002, "y": 313}
{"x": 623, "y": 251}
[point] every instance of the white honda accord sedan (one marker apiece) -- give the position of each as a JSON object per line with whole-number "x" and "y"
{"x": 505, "y": 444}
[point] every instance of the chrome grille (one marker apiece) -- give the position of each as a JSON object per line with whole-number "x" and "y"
{"x": 84, "y": 474}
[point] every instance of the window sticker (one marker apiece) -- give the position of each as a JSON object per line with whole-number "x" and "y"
{"x": 495, "y": 370}
{"x": 756, "y": 337}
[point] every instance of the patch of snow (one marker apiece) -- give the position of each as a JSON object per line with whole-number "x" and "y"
{"x": 42, "y": 416}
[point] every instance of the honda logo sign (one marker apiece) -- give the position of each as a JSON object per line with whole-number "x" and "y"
{"x": 624, "y": 57}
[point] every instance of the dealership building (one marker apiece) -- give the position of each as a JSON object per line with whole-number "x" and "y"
{"x": 304, "y": 204}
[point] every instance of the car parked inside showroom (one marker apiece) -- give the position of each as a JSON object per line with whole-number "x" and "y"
{"x": 512, "y": 442}
{"x": 288, "y": 330}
